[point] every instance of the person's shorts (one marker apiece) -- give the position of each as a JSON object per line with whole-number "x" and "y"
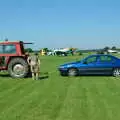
{"x": 34, "y": 68}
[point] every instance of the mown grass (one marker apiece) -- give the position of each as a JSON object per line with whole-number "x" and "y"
{"x": 59, "y": 98}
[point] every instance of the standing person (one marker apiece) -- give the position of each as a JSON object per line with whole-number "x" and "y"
{"x": 34, "y": 63}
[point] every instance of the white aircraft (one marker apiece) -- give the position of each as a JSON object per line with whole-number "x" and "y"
{"x": 113, "y": 51}
{"x": 61, "y": 51}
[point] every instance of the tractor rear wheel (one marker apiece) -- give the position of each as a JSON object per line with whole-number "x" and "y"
{"x": 18, "y": 68}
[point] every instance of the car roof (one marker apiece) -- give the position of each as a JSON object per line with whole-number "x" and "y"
{"x": 98, "y": 55}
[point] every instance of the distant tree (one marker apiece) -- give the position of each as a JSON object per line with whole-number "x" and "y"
{"x": 50, "y": 50}
{"x": 71, "y": 51}
{"x": 40, "y": 50}
{"x": 118, "y": 48}
{"x": 28, "y": 50}
{"x": 80, "y": 53}
{"x": 106, "y": 48}
{"x": 46, "y": 49}
{"x": 114, "y": 48}
{"x": 100, "y": 52}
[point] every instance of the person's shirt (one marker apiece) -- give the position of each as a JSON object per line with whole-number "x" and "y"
{"x": 33, "y": 60}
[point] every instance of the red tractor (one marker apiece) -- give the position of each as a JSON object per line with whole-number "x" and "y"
{"x": 13, "y": 59}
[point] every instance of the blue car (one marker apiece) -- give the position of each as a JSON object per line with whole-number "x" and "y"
{"x": 92, "y": 65}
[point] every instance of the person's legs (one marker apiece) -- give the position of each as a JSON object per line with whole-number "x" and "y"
{"x": 33, "y": 76}
{"x": 37, "y": 72}
{"x": 33, "y": 72}
{"x": 37, "y": 76}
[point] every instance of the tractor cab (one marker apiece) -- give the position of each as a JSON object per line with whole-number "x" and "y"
{"x": 13, "y": 58}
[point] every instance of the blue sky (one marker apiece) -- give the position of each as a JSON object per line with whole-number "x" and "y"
{"x": 61, "y": 23}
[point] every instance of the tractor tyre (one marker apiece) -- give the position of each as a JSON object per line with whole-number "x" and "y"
{"x": 18, "y": 68}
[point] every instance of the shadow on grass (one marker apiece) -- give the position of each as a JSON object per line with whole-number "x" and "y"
{"x": 44, "y": 76}
{"x": 89, "y": 76}
{"x": 5, "y": 75}
{"x": 97, "y": 75}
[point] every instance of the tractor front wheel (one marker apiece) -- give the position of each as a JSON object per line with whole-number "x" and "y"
{"x": 18, "y": 68}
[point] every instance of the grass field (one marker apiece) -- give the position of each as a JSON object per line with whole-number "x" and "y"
{"x": 59, "y": 98}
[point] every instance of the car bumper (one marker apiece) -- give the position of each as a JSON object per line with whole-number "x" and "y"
{"x": 63, "y": 72}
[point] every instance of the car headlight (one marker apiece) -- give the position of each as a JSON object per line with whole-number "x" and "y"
{"x": 69, "y": 65}
{"x": 62, "y": 67}
{"x": 66, "y": 66}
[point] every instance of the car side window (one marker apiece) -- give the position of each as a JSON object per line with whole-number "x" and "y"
{"x": 105, "y": 59}
{"x": 91, "y": 60}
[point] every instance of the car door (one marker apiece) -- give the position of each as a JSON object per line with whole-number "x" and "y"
{"x": 105, "y": 64}
{"x": 89, "y": 66}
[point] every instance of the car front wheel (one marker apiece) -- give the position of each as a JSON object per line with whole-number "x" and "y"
{"x": 72, "y": 72}
{"x": 116, "y": 72}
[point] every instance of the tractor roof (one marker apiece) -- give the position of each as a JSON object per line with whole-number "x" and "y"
{"x": 10, "y": 42}
{"x": 13, "y": 42}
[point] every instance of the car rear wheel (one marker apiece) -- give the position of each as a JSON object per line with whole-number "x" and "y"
{"x": 72, "y": 72}
{"x": 116, "y": 72}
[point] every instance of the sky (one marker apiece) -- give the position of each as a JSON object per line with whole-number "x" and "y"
{"x": 85, "y": 24}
